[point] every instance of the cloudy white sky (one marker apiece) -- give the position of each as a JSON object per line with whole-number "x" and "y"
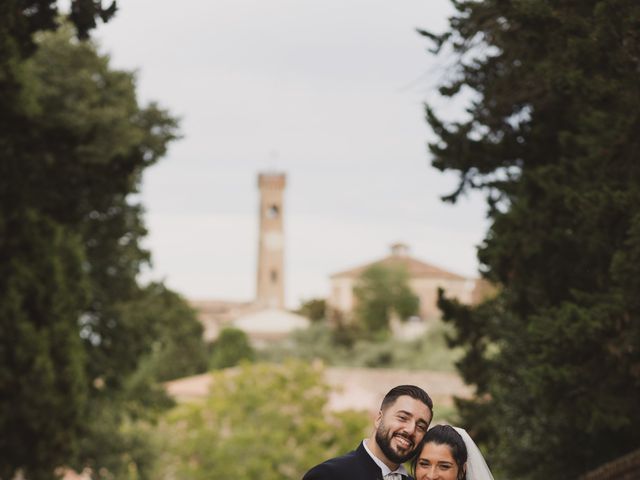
{"x": 330, "y": 92}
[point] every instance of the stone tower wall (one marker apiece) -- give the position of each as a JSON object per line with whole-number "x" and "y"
{"x": 270, "y": 276}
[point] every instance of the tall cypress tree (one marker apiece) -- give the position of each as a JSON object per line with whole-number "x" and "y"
{"x": 551, "y": 137}
{"x": 44, "y": 285}
{"x": 42, "y": 375}
{"x": 73, "y": 147}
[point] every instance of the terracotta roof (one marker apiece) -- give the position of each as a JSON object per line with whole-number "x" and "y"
{"x": 352, "y": 388}
{"x": 415, "y": 267}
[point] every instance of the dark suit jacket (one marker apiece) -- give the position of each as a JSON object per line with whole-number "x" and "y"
{"x": 356, "y": 465}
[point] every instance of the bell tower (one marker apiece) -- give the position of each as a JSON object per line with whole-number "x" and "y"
{"x": 270, "y": 286}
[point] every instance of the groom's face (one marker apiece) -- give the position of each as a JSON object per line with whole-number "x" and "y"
{"x": 400, "y": 428}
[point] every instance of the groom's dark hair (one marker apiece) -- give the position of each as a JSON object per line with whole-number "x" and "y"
{"x": 408, "y": 390}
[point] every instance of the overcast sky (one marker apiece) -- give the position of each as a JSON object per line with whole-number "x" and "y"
{"x": 330, "y": 92}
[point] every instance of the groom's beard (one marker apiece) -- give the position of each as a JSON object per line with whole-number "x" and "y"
{"x": 383, "y": 439}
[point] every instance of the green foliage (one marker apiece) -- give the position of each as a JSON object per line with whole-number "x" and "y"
{"x": 230, "y": 348}
{"x": 429, "y": 352}
{"x": 314, "y": 309}
{"x": 315, "y": 342}
{"x": 19, "y": 21}
{"x": 90, "y": 143}
{"x": 551, "y": 137}
{"x": 77, "y": 328}
{"x": 380, "y": 292}
{"x": 42, "y": 379}
{"x": 446, "y": 413}
{"x": 260, "y": 421}
{"x": 163, "y": 329}
{"x": 165, "y": 342}
{"x": 114, "y": 446}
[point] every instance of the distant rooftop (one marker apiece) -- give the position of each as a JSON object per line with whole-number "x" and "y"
{"x": 400, "y": 257}
{"x": 352, "y": 388}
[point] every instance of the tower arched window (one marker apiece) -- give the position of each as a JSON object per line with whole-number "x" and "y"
{"x": 273, "y": 211}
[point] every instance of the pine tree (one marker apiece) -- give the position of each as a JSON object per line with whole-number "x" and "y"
{"x": 551, "y": 137}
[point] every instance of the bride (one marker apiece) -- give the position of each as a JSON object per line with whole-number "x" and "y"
{"x": 449, "y": 453}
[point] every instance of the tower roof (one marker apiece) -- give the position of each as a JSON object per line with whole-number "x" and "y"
{"x": 272, "y": 180}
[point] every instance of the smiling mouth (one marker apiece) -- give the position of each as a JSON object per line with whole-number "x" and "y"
{"x": 403, "y": 441}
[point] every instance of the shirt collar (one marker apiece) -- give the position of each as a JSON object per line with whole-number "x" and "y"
{"x": 383, "y": 466}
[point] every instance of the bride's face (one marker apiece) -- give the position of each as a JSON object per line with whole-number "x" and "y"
{"x": 436, "y": 462}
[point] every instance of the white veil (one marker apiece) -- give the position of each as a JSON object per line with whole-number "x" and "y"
{"x": 477, "y": 468}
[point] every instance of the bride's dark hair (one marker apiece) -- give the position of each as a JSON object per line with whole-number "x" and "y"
{"x": 445, "y": 435}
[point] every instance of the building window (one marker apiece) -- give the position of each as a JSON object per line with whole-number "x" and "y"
{"x": 273, "y": 211}
{"x": 274, "y": 276}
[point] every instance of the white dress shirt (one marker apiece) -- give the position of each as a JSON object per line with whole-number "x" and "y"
{"x": 386, "y": 471}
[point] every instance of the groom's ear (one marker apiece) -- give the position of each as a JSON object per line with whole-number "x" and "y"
{"x": 378, "y": 419}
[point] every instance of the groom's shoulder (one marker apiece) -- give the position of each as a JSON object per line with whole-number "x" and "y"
{"x": 346, "y": 465}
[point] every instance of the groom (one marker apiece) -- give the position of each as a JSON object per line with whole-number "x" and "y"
{"x": 402, "y": 421}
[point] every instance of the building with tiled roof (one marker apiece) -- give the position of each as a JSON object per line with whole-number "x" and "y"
{"x": 424, "y": 280}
